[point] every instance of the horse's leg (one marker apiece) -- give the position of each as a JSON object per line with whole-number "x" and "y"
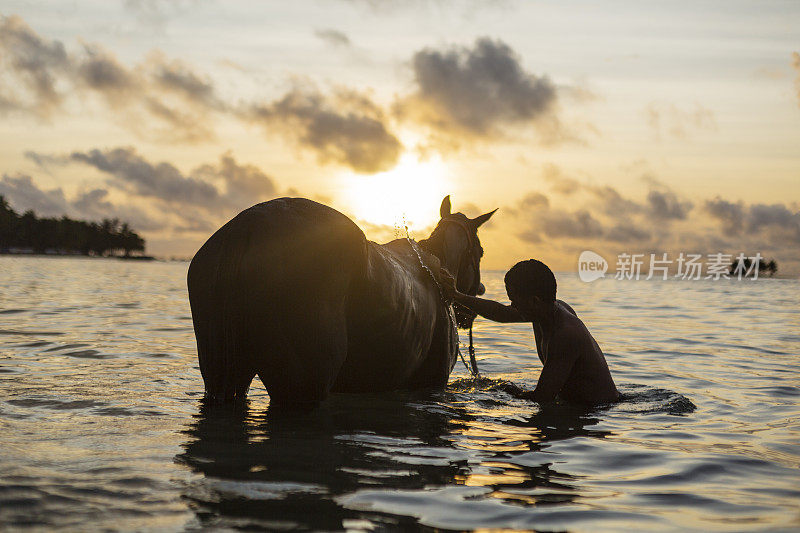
{"x": 299, "y": 268}
{"x": 268, "y": 293}
{"x": 227, "y": 372}
{"x": 224, "y": 364}
{"x": 305, "y": 355}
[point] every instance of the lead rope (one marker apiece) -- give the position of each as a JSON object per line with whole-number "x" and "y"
{"x": 472, "y": 368}
{"x": 472, "y": 361}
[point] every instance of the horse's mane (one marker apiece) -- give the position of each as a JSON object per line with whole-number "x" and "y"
{"x": 434, "y": 244}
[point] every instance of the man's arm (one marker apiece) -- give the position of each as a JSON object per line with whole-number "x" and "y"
{"x": 561, "y": 357}
{"x": 490, "y": 309}
{"x": 486, "y": 308}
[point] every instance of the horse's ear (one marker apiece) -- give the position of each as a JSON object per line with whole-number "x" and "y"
{"x": 444, "y": 210}
{"x": 478, "y": 221}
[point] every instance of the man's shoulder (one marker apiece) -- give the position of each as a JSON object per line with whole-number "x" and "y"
{"x": 572, "y": 332}
{"x": 564, "y": 305}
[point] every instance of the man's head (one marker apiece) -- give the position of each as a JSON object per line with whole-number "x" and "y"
{"x": 531, "y": 286}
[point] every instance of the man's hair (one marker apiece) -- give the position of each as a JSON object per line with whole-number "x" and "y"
{"x": 532, "y": 278}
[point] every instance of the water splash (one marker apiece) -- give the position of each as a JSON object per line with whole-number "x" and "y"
{"x": 484, "y": 384}
{"x": 638, "y": 399}
{"x": 642, "y": 399}
{"x": 451, "y": 313}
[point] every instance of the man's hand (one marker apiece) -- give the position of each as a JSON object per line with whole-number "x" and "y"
{"x": 485, "y": 308}
{"x": 448, "y": 284}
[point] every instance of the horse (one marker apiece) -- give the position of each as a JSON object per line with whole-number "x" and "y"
{"x": 291, "y": 290}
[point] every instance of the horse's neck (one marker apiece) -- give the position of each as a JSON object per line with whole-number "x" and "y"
{"x": 429, "y": 246}
{"x": 435, "y": 248}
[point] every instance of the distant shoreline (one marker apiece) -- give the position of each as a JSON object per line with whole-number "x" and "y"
{"x": 187, "y": 259}
{"x": 84, "y": 256}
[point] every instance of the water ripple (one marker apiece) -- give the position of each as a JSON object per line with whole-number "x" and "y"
{"x": 103, "y": 427}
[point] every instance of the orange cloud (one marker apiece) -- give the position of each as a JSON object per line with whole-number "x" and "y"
{"x": 465, "y": 94}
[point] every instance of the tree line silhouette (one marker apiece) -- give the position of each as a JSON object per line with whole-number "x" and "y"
{"x": 27, "y": 232}
{"x": 766, "y": 267}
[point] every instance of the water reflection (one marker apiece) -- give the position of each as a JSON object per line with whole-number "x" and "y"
{"x": 292, "y": 465}
{"x": 370, "y": 458}
{"x": 525, "y": 476}
{"x": 89, "y": 443}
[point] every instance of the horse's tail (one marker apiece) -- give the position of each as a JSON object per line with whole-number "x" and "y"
{"x": 268, "y": 293}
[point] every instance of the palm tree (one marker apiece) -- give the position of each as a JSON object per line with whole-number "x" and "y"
{"x": 772, "y": 267}
{"x": 65, "y": 235}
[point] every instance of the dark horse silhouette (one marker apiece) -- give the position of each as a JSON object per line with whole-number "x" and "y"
{"x": 293, "y": 291}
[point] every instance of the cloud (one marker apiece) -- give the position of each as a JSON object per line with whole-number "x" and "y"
{"x": 95, "y": 205}
{"x": 559, "y": 182}
{"x": 159, "y": 196}
{"x": 156, "y": 98}
{"x": 537, "y": 219}
{"x": 46, "y": 161}
{"x": 154, "y": 14}
{"x": 599, "y": 218}
{"x": 24, "y": 194}
{"x": 771, "y": 229}
{"x": 136, "y": 175}
{"x": 534, "y": 200}
{"x": 665, "y": 205}
{"x": 333, "y": 37}
{"x": 244, "y": 184}
{"x": 576, "y": 224}
{"x": 470, "y": 7}
{"x": 627, "y": 234}
{"x": 100, "y": 71}
{"x": 599, "y": 212}
{"x": 476, "y": 92}
{"x": 217, "y": 189}
{"x": 167, "y": 101}
{"x": 776, "y": 216}
{"x": 35, "y": 64}
{"x": 531, "y": 202}
{"x": 346, "y": 127}
{"x": 779, "y": 223}
{"x": 92, "y": 201}
{"x": 177, "y": 77}
{"x": 8, "y": 104}
{"x": 667, "y": 119}
{"x": 796, "y": 66}
{"x": 612, "y": 203}
{"x": 730, "y": 214}
{"x": 661, "y": 205}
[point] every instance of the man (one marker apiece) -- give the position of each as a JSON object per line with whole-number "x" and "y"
{"x": 575, "y": 369}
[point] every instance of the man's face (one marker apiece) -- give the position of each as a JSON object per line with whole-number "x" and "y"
{"x": 528, "y": 305}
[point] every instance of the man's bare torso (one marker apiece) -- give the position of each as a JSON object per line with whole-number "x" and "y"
{"x": 580, "y": 364}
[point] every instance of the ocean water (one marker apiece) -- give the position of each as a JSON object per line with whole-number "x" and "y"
{"x": 102, "y": 424}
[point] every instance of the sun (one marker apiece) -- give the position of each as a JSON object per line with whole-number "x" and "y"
{"x": 407, "y": 195}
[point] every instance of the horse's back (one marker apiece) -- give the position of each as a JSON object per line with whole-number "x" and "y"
{"x": 399, "y": 329}
{"x": 268, "y": 293}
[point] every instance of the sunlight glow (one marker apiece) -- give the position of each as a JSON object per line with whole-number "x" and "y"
{"x": 409, "y": 194}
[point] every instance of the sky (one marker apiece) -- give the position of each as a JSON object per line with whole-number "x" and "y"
{"x": 617, "y": 127}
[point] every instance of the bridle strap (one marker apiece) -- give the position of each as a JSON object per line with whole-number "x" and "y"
{"x": 473, "y": 363}
{"x": 474, "y": 260}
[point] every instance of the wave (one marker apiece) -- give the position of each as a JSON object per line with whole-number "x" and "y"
{"x": 634, "y": 398}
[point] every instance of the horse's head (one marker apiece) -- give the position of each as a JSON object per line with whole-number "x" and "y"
{"x": 455, "y": 242}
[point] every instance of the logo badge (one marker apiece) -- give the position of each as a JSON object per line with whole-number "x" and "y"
{"x": 591, "y": 266}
